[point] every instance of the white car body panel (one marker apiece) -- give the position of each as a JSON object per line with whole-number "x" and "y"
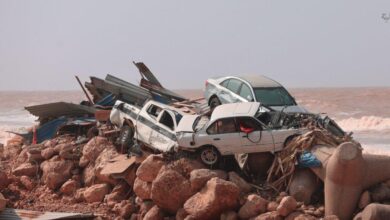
{"x": 186, "y": 123}
{"x": 148, "y": 129}
{"x": 266, "y": 140}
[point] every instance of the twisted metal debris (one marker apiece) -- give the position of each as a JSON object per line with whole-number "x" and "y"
{"x": 281, "y": 171}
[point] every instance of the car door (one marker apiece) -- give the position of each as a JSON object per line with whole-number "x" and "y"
{"x": 253, "y": 137}
{"x": 246, "y": 93}
{"x": 223, "y": 134}
{"x": 163, "y": 137}
{"x": 146, "y": 121}
{"x": 224, "y": 93}
{"x": 234, "y": 87}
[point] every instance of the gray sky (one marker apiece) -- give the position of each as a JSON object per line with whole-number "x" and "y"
{"x": 310, "y": 43}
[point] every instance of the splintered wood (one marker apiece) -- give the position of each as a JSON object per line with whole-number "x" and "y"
{"x": 281, "y": 171}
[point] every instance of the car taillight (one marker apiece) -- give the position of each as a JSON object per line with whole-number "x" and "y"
{"x": 206, "y": 83}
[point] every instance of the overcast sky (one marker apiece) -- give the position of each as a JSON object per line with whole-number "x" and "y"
{"x": 310, "y": 43}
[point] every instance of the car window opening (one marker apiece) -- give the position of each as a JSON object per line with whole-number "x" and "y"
{"x": 154, "y": 111}
{"x": 167, "y": 120}
{"x": 248, "y": 125}
{"x": 234, "y": 85}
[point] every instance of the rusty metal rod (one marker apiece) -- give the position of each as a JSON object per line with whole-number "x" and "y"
{"x": 85, "y": 92}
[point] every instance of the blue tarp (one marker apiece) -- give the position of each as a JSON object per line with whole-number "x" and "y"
{"x": 109, "y": 100}
{"x": 49, "y": 129}
{"x": 307, "y": 159}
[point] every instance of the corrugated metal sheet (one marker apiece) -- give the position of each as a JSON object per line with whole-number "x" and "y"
{"x": 160, "y": 90}
{"x": 122, "y": 90}
{"x": 19, "y": 214}
{"x": 58, "y": 109}
{"x": 145, "y": 72}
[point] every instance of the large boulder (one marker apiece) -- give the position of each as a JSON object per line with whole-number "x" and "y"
{"x": 59, "y": 147}
{"x": 286, "y": 206}
{"x": 34, "y": 154}
{"x": 142, "y": 189}
{"x": 70, "y": 187}
{"x": 93, "y": 171}
{"x": 199, "y": 177}
{"x": 88, "y": 175}
{"x": 47, "y": 153}
{"x": 105, "y": 156}
{"x": 149, "y": 168}
{"x": 254, "y": 205}
{"x": 268, "y": 216}
{"x": 93, "y": 148}
{"x": 244, "y": 186}
{"x": 69, "y": 152}
{"x": 120, "y": 192}
{"x": 170, "y": 190}
{"x": 96, "y": 193}
{"x": 216, "y": 197}
{"x": 155, "y": 213}
{"x": 26, "y": 169}
{"x": 56, "y": 172}
{"x": 184, "y": 166}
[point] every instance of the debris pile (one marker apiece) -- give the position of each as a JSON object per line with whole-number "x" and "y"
{"x": 64, "y": 175}
{"x": 77, "y": 161}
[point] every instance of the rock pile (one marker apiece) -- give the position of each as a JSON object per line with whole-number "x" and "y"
{"x": 63, "y": 175}
{"x": 61, "y": 171}
{"x": 185, "y": 189}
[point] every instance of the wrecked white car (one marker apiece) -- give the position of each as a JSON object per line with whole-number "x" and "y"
{"x": 232, "y": 129}
{"x": 154, "y": 124}
{"x": 252, "y": 88}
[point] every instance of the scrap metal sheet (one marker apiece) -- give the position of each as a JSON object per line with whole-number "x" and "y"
{"x": 57, "y": 109}
{"x": 19, "y": 214}
{"x": 145, "y": 72}
{"x": 118, "y": 165}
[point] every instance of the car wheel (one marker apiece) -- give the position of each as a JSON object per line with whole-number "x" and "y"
{"x": 209, "y": 156}
{"x": 214, "y": 102}
{"x": 126, "y": 137}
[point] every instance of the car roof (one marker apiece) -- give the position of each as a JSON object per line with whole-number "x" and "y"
{"x": 259, "y": 81}
{"x": 234, "y": 110}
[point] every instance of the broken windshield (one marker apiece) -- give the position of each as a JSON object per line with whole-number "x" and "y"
{"x": 276, "y": 96}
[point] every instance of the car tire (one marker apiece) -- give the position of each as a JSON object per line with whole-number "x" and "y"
{"x": 126, "y": 137}
{"x": 214, "y": 102}
{"x": 209, "y": 156}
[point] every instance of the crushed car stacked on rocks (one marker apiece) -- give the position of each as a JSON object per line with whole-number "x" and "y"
{"x": 145, "y": 152}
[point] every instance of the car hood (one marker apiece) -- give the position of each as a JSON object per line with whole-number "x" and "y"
{"x": 290, "y": 109}
{"x": 186, "y": 123}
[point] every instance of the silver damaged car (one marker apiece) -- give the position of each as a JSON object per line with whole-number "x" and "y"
{"x": 253, "y": 88}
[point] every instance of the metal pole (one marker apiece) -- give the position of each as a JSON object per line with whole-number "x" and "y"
{"x": 85, "y": 92}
